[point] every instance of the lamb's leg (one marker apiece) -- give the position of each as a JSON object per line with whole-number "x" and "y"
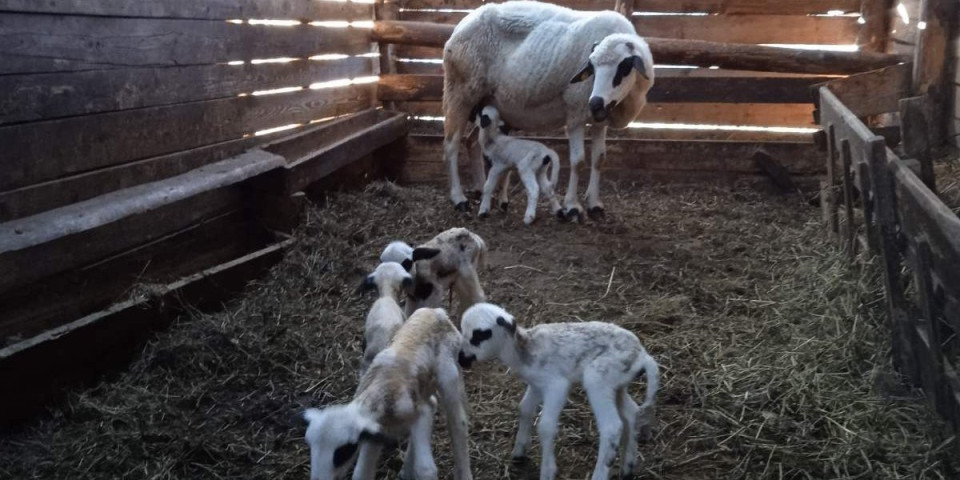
{"x": 528, "y": 410}
{"x": 529, "y": 179}
{"x": 554, "y": 399}
{"x": 467, "y": 286}
{"x": 505, "y": 191}
{"x": 454, "y": 399}
{"x": 598, "y": 153}
{"x": 419, "y": 452}
{"x": 570, "y": 202}
{"x": 628, "y": 439}
{"x": 492, "y": 179}
{"x": 366, "y": 467}
{"x": 603, "y": 401}
{"x": 546, "y": 187}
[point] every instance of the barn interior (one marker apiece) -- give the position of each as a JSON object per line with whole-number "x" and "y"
{"x": 190, "y": 192}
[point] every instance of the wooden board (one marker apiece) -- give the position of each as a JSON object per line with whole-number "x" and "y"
{"x": 102, "y": 140}
{"x": 194, "y": 9}
{"x": 874, "y": 92}
{"x": 754, "y": 7}
{"x": 738, "y": 89}
{"x": 757, "y": 114}
{"x": 87, "y": 43}
{"x": 717, "y": 28}
{"x": 53, "y": 95}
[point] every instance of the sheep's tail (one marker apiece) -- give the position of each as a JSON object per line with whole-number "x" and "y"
{"x": 647, "y": 364}
{"x": 554, "y": 169}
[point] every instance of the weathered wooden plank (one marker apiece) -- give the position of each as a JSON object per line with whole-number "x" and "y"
{"x": 850, "y": 230}
{"x": 750, "y": 114}
{"x": 739, "y": 7}
{"x": 403, "y": 88}
{"x": 874, "y": 92}
{"x": 874, "y": 34}
{"x": 680, "y": 52}
{"x": 102, "y": 140}
{"x": 44, "y": 365}
{"x": 87, "y": 43}
{"x": 387, "y": 10}
{"x": 918, "y": 121}
{"x": 832, "y": 218}
{"x": 36, "y": 247}
{"x": 930, "y": 67}
{"x": 46, "y": 96}
{"x": 928, "y": 329}
{"x": 203, "y": 10}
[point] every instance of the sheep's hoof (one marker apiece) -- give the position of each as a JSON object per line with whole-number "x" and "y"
{"x": 574, "y": 213}
{"x": 462, "y": 207}
{"x": 627, "y": 476}
{"x": 518, "y": 460}
{"x": 484, "y": 214}
{"x": 596, "y": 213}
{"x": 503, "y": 206}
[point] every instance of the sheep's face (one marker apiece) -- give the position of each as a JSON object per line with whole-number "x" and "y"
{"x": 616, "y": 64}
{"x": 389, "y": 277}
{"x": 334, "y": 435}
{"x": 484, "y": 329}
{"x": 489, "y": 119}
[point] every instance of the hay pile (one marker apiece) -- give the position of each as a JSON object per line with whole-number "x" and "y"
{"x": 774, "y": 354}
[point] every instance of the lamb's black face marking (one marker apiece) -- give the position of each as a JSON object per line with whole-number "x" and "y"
{"x": 546, "y": 160}
{"x": 407, "y": 264}
{"x": 423, "y": 290}
{"x": 479, "y": 336}
{"x": 343, "y": 454}
{"x": 622, "y": 71}
{"x": 465, "y": 361}
{"x": 485, "y": 121}
{"x": 510, "y": 326}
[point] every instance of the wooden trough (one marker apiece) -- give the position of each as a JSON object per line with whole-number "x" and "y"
{"x": 155, "y": 154}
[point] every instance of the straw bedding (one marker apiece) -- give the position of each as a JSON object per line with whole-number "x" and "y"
{"x": 774, "y": 352}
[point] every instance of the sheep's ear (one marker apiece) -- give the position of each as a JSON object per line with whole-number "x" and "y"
{"x": 424, "y": 253}
{"x": 640, "y": 67}
{"x": 504, "y": 129}
{"x": 510, "y": 326}
{"x": 407, "y": 282}
{"x": 584, "y": 74}
{"x": 484, "y": 121}
{"x": 407, "y": 264}
{"x": 367, "y": 285}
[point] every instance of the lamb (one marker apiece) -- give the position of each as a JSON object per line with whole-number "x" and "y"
{"x": 385, "y": 317}
{"x": 393, "y": 401}
{"x": 399, "y": 252}
{"x": 448, "y": 261}
{"x": 530, "y": 60}
{"x": 530, "y": 159}
{"x": 550, "y": 358}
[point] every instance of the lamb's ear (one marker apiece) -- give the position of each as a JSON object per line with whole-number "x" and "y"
{"x": 367, "y": 285}
{"x": 484, "y": 121}
{"x": 504, "y": 129}
{"x": 407, "y": 264}
{"x": 584, "y": 74}
{"x": 424, "y": 253}
{"x": 407, "y": 282}
{"x": 640, "y": 67}
{"x": 510, "y": 326}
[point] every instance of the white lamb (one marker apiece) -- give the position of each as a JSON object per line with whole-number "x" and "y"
{"x": 530, "y": 60}
{"x": 393, "y": 402}
{"x": 385, "y": 317}
{"x": 530, "y": 159}
{"x": 551, "y": 358}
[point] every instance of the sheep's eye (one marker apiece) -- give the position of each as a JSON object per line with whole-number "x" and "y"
{"x": 622, "y": 71}
{"x": 343, "y": 454}
{"x": 479, "y": 335}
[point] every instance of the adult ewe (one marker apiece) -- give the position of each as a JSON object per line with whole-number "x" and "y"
{"x": 530, "y": 60}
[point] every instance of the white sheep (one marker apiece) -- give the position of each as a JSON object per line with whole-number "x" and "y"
{"x": 399, "y": 252}
{"x": 393, "y": 402}
{"x": 552, "y": 357}
{"x": 529, "y": 60}
{"x": 385, "y": 317}
{"x": 528, "y": 157}
{"x": 448, "y": 261}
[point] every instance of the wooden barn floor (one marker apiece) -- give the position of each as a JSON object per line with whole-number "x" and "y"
{"x": 774, "y": 354}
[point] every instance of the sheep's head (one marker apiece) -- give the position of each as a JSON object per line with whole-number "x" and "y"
{"x": 616, "y": 64}
{"x": 334, "y": 435}
{"x": 398, "y": 252}
{"x": 388, "y": 278}
{"x": 440, "y": 263}
{"x": 484, "y": 329}
{"x": 488, "y": 118}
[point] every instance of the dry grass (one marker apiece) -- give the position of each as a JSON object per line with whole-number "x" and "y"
{"x": 774, "y": 353}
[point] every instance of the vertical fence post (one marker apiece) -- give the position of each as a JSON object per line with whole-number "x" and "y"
{"x": 830, "y": 195}
{"x": 387, "y": 10}
{"x": 851, "y": 231}
{"x": 868, "y": 199}
{"x": 624, "y": 7}
{"x": 928, "y": 330}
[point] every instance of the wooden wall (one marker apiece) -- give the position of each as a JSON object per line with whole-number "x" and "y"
{"x": 954, "y": 75}
{"x": 735, "y": 97}
{"x": 101, "y": 95}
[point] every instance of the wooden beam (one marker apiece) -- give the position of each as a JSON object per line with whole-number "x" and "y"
{"x": 874, "y": 92}
{"x": 387, "y": 10}
{"x": 917, "y": 120}
{"x": 47, "y": 96}
{"x": 729, "y": 7}
{"x": 685, "y": 52}
{"x": 874, "y": 34}
{"x": 190, "y": 9}
{"x": 27, "y": 46}
{"x": 930, "y": 65}
{"x": 96, "y": 141}
{"x": 404, "y": 88}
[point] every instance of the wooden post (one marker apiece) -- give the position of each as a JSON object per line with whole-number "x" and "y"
{"x": 831, "y": 198}
{"x": 917, "y": 121}
{"x": 851, "y": 231}
{"x": 875, "y": 31}
{"x": 868, "y": 199}
{"x": 624, "y": 7}
{"x": 928, "y": 330}
{"x": 387, "y": 10}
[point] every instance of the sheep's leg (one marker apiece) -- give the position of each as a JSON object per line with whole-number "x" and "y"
{"x": 505, "y": 191}
{"x": 455, "y": 119}
{"x": 603, "y": 400}
{"x": 454, "y": 398}
{"x": 571, "y": 204}
{"x": 468, "y": 288}
{"x": 529, "y": 179}
{"x": 495, "y": 171}
{"x": 528, "y": 410}
{"x": 554, "y": 398}
{"x": 419, "y": 458}
{"x": 366, "y": 467}
{"x": 598, "y": 153}
{"x": 628, "y": 439}
{"x": 546, "y": 187}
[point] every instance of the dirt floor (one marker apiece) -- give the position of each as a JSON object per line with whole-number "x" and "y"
{"x": 774, "y": 354}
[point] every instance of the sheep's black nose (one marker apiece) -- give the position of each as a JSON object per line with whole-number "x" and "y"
{"x": 597, "y": 109}
{"x": 465, "y": 361}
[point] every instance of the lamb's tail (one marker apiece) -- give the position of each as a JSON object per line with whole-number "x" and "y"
{"x": 649, "y": 365}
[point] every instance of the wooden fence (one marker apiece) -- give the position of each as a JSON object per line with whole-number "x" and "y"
{"x": 915, "y": 237}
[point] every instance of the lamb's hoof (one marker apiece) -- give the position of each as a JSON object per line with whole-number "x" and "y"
{"x": 484, "y": 215}
{"x": 519, "y": 460}
{"x": 596, "y": 213}
{"x": 503, "y": 206}
{"x": 627, "y": 476}
{"x": 462, "y": 206}
{"x": 561, "y": 216}
{"x": 574, "y": 213}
